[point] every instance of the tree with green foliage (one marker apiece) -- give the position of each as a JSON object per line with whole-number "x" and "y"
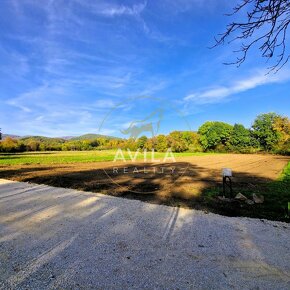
{"x": 282, "y": 127}
{"x": 241, "y": 139}
{"x": 269, "y": 132}
{"x": 149, "y": 145}
{"x": 9, "y": 145}
{"x": 130, "y": 144}
{"x": 86, "y": 145}
{"x": 141, "y": 142}
{"x": 265, "y": 132}
{"x": 161, "y": 144}
{"x": 176, "y": 142}
{"x": 94, "y": 143}
{"x": 188, "y": 137}
{"x": 213, "y": 134}
{"x": 192, "y": 141}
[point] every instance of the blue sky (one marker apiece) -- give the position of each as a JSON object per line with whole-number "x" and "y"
{"x": 65, "y": 64}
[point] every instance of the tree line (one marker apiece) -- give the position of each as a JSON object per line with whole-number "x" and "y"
{"x": 269, "y": 133}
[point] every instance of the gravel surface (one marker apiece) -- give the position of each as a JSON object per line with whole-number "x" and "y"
{"x": 59, "y": 238}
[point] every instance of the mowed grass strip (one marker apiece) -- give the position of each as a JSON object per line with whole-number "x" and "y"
{"x": 60, "y": 157}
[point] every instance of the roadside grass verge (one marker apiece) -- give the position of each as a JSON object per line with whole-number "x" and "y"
{"x": 275, "y": 206}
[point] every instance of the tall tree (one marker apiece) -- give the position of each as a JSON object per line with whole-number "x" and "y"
{"x": 265, "y": 131}
{"x": 241, "y": 138}
{"x": 282, "y": 127}
{"x": 214, "y": 133}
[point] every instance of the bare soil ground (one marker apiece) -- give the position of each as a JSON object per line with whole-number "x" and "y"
{"x": 185, "y": 182}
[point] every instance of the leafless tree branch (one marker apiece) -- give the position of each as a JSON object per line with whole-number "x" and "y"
{"x": 265, "y": 25}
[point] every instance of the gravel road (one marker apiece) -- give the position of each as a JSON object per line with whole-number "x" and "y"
{"x": 55, "y": 238}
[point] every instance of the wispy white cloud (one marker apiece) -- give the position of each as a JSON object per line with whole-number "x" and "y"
{"x": 48, "y": 110}
{"x": 18, "y": 105}
{"x": 135, "y": 11}
{"x": 117, "y": 10}
{"x": 111, "y": 9}
{"x": 218, "y": 94}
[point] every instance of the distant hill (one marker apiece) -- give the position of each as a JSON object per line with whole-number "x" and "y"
{"x": 4, "y": 136}
{"x": 59, "y": 139}
{"x": 41, "y": 138}
{"x": 67, "y": 137}
{"x": 92, "y": 137}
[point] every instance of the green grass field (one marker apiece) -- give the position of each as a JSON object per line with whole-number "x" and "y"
{"x": 76, "y": 156}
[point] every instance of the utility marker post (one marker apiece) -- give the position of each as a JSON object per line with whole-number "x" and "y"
{"x": 227, "y": 180}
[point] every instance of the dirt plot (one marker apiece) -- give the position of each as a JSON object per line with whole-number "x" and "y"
{"x": 185, "y": 178}
{"x": 190, "y": 182}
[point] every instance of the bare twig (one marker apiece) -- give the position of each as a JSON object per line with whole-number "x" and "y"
{"x": 266, "y": 25}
